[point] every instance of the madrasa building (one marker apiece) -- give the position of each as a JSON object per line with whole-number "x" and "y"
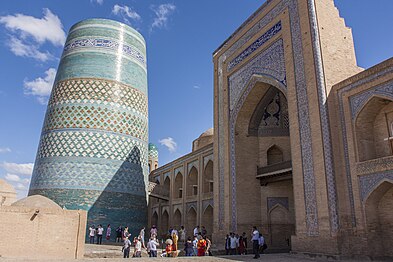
{"x": 302, "y": 141}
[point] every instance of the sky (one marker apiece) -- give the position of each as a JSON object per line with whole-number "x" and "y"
{"x": 181, "y": 36}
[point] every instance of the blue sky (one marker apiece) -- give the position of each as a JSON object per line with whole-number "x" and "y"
{"x": 181, "y": 37}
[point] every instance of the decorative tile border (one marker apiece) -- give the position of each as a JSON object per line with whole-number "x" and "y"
{"x": 177, "y": 171}
{"x": 269, "y": 62}
{"x": 325, "y": 125}
{"x": 356, "y": 82}
{"x": 206, "y": 160}
{"x": 109, "y": 44}
{"x": 358, "y": 101}
{"x": 273, "y": 201}
{"x": 254, "y": 46}
{"x": 303, "y": 115}
{"x": 369, "y": 182}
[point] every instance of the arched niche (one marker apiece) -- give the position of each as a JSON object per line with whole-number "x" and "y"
{"x": 208, "y": 178}
{"x": 177, "y": 219}
{"x": 192, "y": 182}
{"x": 207, "y": 220}
{"x": 379, "y": 219}
{"x": 178, "y": 186}
{"x": 191, "y": 221}
{"x": 373, "y": 127}
{"x": 167, "y": 184}
{"x": 164, "y": 223}
{"x": 274, "y": 155}
{"x": 154, "y": 219}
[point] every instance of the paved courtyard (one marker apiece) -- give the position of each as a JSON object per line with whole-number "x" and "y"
{"x": 95, "y": 253}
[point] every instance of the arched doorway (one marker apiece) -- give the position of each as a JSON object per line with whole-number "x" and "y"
{"x": 208, "y": 178}
{"x": 279, "y": 222}
{"x": 262, "y": 140}
{"x": 207, "y": 220}
{"x": 167, "y": 185}
{"x": 374, "y": 137}
{"x": 178, "y": 187}
{"x": 192, "y": 182}
{"x": 191, "y": 221}
{"x": 379, "y": 219}
{"x": 154, "y": 219}
{"x": 164, "y": 224}
{"x": 177, "y": 219}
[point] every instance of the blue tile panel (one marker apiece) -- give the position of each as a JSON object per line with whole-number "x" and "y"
{"x": 93, "y": 150}
{"x": 153, "y": 151}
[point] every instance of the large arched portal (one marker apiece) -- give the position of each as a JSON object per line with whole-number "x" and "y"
{"x": 379, "y": 218}
{"x": 263, "y": 166}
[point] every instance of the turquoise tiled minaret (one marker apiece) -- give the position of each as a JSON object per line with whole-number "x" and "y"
{"x": 93, "y": 151}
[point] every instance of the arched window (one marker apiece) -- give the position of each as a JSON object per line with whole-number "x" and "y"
{"x": 274, "y": 155}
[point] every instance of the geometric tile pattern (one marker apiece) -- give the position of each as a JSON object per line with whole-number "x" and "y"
{"x": 369, "y": 182}
{"x": 95, "y": 117}
{"x": 303, "y": 112}
{"x": 90, "y": 143}
{"x": 273, "y": 201}
{"x": 254, "y": 46}
{"x": 153, "y": 152}
{"x": 99, "y": 91}
{"x": 93, "y": 150}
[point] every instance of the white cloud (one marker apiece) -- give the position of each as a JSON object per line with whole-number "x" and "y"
{"x": 41, "y": 87}
{"x": 21, "y": 48}
{"x": 5, "y": 150}
{"x": 196, "y": 87}
{"x": 170, "y": 143}
{"x": 18, "y": 169}
{"x": 126, "y": 12}
{"x": 20, "y": 186}
{"x": 16, "y": 178}
{"x": 28, "y": 34}
{"x": 100, "y": 2}
{"x": 162, "y": 12}
{"x": 49, "y": 28}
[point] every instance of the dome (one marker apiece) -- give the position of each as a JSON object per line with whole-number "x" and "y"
{"x": 36, "y": 201}
{"x": 208, "y": 132}
{"x": 153, "y": 152}
{"x": 6, "y": 188}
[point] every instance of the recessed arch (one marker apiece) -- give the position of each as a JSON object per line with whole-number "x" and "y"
{"x": 379, "y": 219}
{"x": 207, "y": 219}
{"x": 177, "y": 217}
{"x": 191, "y": 221}
{"x": 274, "y": 155}
{"x": 167, "y": 184}
{"x": 178, "y": 185}
{"x": 192, "y": 182}
{"x": 373, "y": 129}
{"x": 208, "y": 177}
{"x": 154, "y": 219}
{"x": 164, "y": 222}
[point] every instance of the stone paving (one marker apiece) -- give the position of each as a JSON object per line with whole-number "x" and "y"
{"x": 103, "y": 253}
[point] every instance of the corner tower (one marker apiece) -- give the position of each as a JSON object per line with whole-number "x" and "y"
{"x": 153, "y": 157}
{"x": 93, "y": 150}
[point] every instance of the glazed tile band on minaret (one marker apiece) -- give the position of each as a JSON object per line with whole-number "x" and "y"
{"x": 93, "y": 150}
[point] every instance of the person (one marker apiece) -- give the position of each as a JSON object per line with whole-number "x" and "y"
{"x": 242, "y": 247}
{"x": 168, "y": 248}
{"x": 126, "y": 248}
{"x": 203, "y": 231}
{"x": 227, "y": 244}
{"x": 208, "y": 246}
{"x": 262, "y": 243}
{"x": 196, "y": 231}
{"x": 152, "y": 247}
{"x": 182, "y": 233}
{"x": 174, "y": 239}
{"x": 125, "y": 233}
{"x": 153, "y": 231}
{"x": 137, "y": 247}
{"x": 188, "y": 248}
{"x": 108, "y": 232}
{"x": 201, "y": 246}
{"x": 142, "y": 236}
{"x": 233, "y": 244}
{"x": 100, "y": 232}
{"x": 255, "y": 241}
{"x": 245, "y": 242}
{"x": 119, "y": 233}
{"x": 92, "y": 234}
{"x": 194, "y": 245}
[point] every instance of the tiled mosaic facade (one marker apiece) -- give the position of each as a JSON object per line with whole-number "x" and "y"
{"x": 93, "y": 151}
